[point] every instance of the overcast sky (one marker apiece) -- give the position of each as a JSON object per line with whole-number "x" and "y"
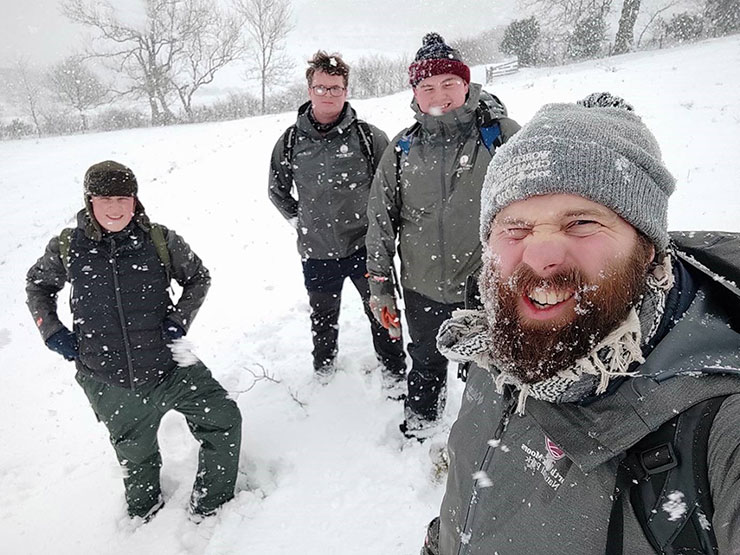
{"x": 36, "y": 30}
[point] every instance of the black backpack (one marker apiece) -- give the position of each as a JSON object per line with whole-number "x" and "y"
{"x": 665, "y": 478}
{"x": 672, "y": 461}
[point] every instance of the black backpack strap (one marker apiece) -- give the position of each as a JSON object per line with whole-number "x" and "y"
{"x": 289, "y": 140}
{"x": 402, "y": 147}
{"x": 65, "y": 241}
{"x": 666, "y": 475}
{"x": 366, "y": 145}
{"x": 163, "y": 252}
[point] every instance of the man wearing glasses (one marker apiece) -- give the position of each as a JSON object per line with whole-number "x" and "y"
{"x": 425, "y": 195}
{"x": 329, "y": 157}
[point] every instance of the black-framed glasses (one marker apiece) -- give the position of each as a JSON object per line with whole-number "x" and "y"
{"x": 321, "y": 90}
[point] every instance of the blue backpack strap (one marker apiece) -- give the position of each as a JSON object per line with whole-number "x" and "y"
{"x": 489, "y": 135}
{"x": 490, "y": 129}
{"x": 403, "y": 146}
{"x": 404, "y": 143}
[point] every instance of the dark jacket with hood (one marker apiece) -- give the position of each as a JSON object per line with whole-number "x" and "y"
{"x": 119, "y": 298}
{"x": 332, "y": 180}
{"x": 434, "y": 214}
{"x": 543, "y": 482}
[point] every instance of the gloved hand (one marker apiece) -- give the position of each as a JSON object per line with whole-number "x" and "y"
{"x": 63, "y": 342}
{"x": 172, "y": 330}
{"x": 431, "y": 541}
{"x": 383, "y": 305}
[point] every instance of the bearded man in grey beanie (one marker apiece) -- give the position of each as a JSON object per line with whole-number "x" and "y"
{"x": 603, "y": 390}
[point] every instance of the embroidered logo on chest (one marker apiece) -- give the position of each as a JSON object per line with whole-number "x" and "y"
{"x": 344, "y": 152}
{"x": 464, "y": 165}
{"x": 546, "y": 464}
{"x": 555, "y": 452}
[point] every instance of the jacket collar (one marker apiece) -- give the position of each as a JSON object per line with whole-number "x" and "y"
{"x": 453, "y": 122}
{"x": 92, "y": 229}
{"x": 304, "y": 124}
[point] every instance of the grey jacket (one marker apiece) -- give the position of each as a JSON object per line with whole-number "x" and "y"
{"x": 549, "y": 475}
{"x": 332, "y": 179}
{"x": 434, "y": 214}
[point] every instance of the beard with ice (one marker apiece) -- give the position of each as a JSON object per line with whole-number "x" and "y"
{"x": 534, "y": 351}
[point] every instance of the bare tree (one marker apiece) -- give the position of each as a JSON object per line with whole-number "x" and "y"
{"x": 217, "y": 43}
{"x": 626, "y": 31}
{"x": 566, "y": 13}
{"x": 481, "y": 48}
{"x": 77, "y": 86}
{"x": 151, "y": 53}
{"x": 560, "y": 19}
{"x": 654, "y": 16}
{"x": 378, "y": 75}
{"x": 26, "y": 91}
{"x": 143, "y": 54}
{"x": 268, "y": 24}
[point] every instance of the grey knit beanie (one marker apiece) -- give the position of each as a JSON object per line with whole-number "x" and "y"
{"x": 598, "y": 149}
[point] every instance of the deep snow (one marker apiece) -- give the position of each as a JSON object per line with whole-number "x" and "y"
{"x": 324, "y": 469}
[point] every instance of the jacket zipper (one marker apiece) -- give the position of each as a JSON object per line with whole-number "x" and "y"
{"x": 441, "y": 227}
{"x": 510, "y": 400}
{"x": 326, "y": 146}
{"x": 121, "y": 315}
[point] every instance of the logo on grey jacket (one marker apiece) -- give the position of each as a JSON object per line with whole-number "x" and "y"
{"x": 544, "y": 464}
{"x": 465, "y": 165}
{"x": 555, "y": 452}
{"x": 345, "y": 152}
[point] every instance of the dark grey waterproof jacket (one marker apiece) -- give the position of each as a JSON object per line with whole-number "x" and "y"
{"x": 119, "y": 299}
{"x": 434, "y": 213}
{"x": 331, "y": 177}
{"x": 552, "y": 471}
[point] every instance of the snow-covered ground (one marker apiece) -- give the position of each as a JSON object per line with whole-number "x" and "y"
{"x": 324, "y": 469}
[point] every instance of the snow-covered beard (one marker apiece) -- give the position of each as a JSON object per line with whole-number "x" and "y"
{"x": 536, "y": 351}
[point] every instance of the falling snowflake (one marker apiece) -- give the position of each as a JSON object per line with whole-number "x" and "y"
{"x": 675, "y": 506}
{"x": 483, "y": 480}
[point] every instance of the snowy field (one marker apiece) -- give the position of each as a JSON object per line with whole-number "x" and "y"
{"x": 323, "y": 469}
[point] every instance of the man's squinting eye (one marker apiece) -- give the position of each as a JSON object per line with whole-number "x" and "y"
{"x": 517, "y": 232}
{"x": 582, "y": 227}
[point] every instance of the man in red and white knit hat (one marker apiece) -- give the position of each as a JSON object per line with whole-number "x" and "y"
{"x": 426, "y": 193}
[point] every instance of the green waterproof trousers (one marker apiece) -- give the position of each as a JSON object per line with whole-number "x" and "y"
{"x": 133, "y": 416}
